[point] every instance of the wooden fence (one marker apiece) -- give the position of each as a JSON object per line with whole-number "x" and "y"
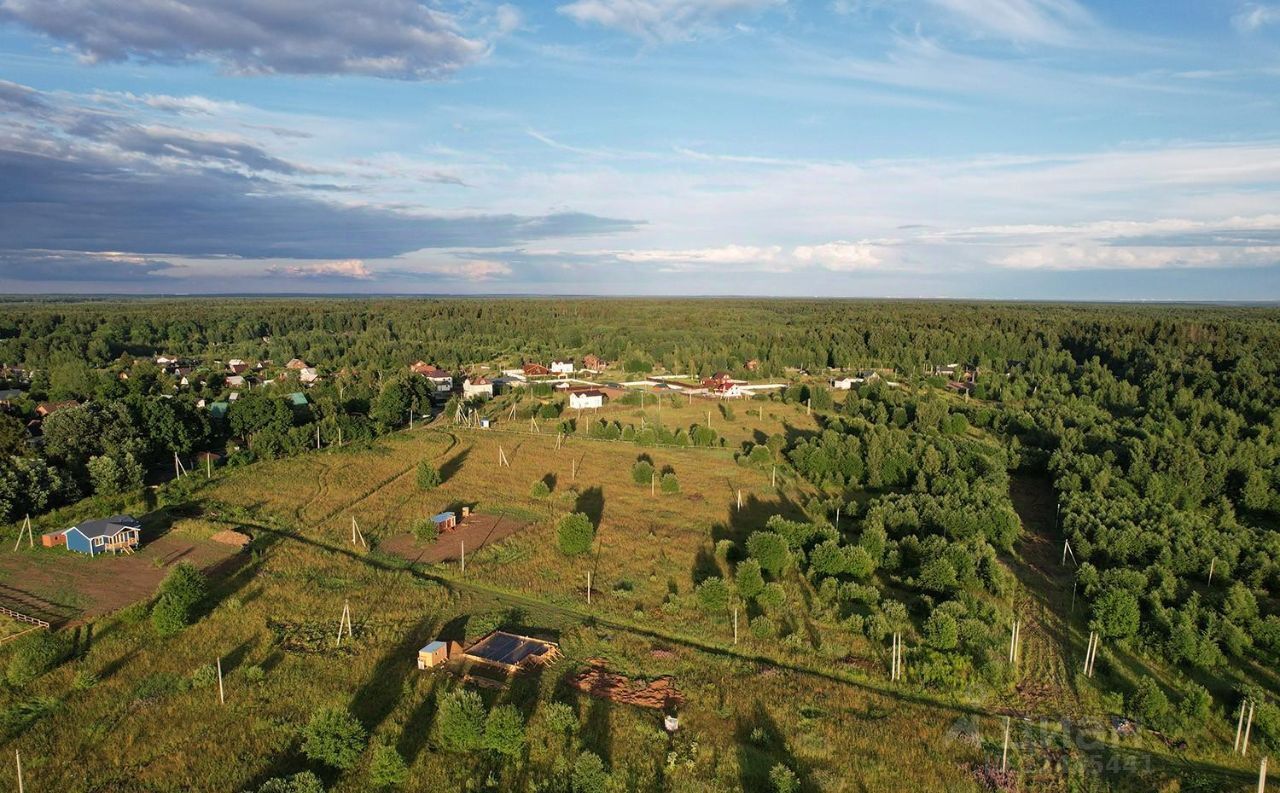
{"x": 20, "y": 617}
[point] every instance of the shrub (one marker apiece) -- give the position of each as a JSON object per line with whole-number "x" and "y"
{"x": 539, "y": 489}
{"x": 941, "y": 630}
{"x": 35, "y": 654}
{"x": 575, "y": 534}
{"x": 304, "y": 782}
{"x": 204, "y": 676}
{"x": 428, "y": 476}
{"x": 669, "y": 483}
{"x": 642, "y": 473}
{"x": 461, "y": 721}
{"x": 426, "y": 530}
{"x": 334, "y": 737}
{"x": 1150, "y": 705}
{"x": 783, "y": 779}
{"x": 774, "y": 597}
{"x": 1116, "y": 614}
{"x": 770, "y": 550}
{"x": 253, "y": 674}
{"x": 750, "y": 581}
{"x": 560, "y": 717}
{"x": 387, "y": 768}
{"x": 763, "y": 628}
{"x": 504, "y": 731}
{"x": 589, "y": 775}
{"x": 179, "y": 594}
{"x": 713, "y": 595}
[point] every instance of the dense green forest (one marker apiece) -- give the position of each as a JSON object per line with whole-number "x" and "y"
{"x": 1157, "y": 428}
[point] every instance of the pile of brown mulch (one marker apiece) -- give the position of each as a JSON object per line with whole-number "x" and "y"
{"x": 229, "y": 537}
{"x": 598, "y": 682}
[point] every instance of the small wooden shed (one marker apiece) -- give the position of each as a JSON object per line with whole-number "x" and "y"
{"x": 445, "y": 521}
{"x": 432, "y": 655}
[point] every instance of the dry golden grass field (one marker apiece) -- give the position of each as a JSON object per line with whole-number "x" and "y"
{"x": 136, "y": 712}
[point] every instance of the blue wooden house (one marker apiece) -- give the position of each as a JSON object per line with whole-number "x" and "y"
{"x": 119, "y": 533}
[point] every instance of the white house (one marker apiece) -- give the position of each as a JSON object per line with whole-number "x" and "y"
{"x": 562, "y": 367}
{"x": 477, "y": 386}
{"x": 586, "y": 400}
{"x": 235, "y": 381}
{"x": 844, "y": 383}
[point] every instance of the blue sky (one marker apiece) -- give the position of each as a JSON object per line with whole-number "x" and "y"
{"x": 1036, "y": 149}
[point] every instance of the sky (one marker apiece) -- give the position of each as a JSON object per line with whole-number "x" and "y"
{"x": 993, "y": 149}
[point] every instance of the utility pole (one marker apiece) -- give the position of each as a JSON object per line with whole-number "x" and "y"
{"x": 26, "y": 527}
{"x": 1212, "y": 562}
{"x": 17, "y": 758}
{"x": 345, "y": 622}
{"x": 588, "y": 587}
{"x": 463, "y": 543}
{"x": 1004, "y": 756}
{"x": 222, "y": 700}
{"x": 735, "y": 625}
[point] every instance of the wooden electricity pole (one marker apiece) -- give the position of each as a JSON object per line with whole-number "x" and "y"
{"x": 1248, "y": 725}
{"x": 502, "y": 458}
{"x": 17, "y": 758}
{"x": 1262, "y": 777}
{"x": 1239, "y": 726}
{"x": 222, "y": 700}
{"x": 357, "y": 536}
{"x": 1004, "y": 756}
{"x": 1212, "y": 563}
{"x": 345, "y": 622}
{"x": 735, "y": 624}
{"x": 588, "y": 587}
{"x": 463, "y": 543}
{"x": 26, "y": 528}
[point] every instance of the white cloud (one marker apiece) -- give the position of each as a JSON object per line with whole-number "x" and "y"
{"x": 661, "y": 20}
{"x": 842, "y": 256}
{"x": 1256, "y": 15}
{"x": 348, "y": 268}
{"x": 724, "y": 255}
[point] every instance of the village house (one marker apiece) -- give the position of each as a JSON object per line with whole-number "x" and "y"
{"x": 593, "y": 363}
{"x": 562, "y": 367}
{"x": 119, "y": 533}
{"x": 477, "y": 386}
{"x": 535, "y": 370}
{"x": 586, "y": 400}
{"x": 48, "y": 408}
{"x": 308, "y": 375}
{"x": 296, "y": 364}
{"x": 236, "y": 381}
{"x": 441, "y": 380}
{"x": 7, "y": 397}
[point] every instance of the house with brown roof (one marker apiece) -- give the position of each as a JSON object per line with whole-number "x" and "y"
{"x": 48, "y": 408}
{"x": 477, "y": 386}
{"x": 296, "y": 364}
{"x": 440, "y": 379}
{"x": 536, "y": 370}
{"x": 593, "y": 362}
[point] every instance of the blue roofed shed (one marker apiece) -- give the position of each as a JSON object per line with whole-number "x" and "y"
{"x": 445, "y": 521}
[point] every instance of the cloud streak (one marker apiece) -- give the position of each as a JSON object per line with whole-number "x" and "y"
{"x": 401, "y": 39}
{"x": 662, "y": 21}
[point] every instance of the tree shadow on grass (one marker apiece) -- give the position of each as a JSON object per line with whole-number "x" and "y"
{"x": 761, "y": 746}
{"x": 453, "y": 465}
{"x": 752, "y": 517}
{"x": 381, "y": 691}
{"x": 591, "y": 503}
